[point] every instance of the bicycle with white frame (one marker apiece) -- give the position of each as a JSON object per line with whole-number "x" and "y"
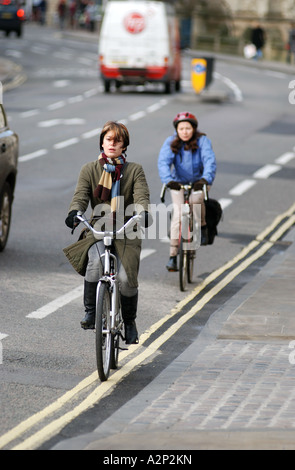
{"x": 108, "y": 321}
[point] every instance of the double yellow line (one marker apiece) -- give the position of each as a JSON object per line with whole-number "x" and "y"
{"x": 242, "y": 261}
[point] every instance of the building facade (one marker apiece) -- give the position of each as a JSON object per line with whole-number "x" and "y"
{"x": 225, "y": 26}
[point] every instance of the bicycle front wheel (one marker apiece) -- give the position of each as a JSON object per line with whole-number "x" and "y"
{"x": 103, "y": 331}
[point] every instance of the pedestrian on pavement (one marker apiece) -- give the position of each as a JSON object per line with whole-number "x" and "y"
{"x": 62, "y": 13}
{"x": 91, "y": 12}
{"x": 104, "y": 183}
{"x": 43, "y": 8}
{"x": 72, "y": 13}
{"x": 186, "y": 157}
{"x": 258, "y": 39}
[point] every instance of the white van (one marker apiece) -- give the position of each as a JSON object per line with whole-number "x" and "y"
{"x": 139, "y": 42}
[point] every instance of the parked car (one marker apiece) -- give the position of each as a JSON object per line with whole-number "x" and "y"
{"x": 9, "y": 149}
{"x": 12, "y": 17}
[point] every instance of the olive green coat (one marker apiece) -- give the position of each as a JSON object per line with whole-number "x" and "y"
{"x": 135, "y": 190}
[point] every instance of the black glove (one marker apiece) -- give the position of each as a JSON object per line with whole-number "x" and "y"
{"x": 174, "y": 185}
{"x": 198, "y": 185}
{"x": 71, "y": 220}
{"x": 146, "y": 219}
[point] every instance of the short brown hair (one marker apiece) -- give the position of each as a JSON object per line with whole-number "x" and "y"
{"x": 121, "y": 133}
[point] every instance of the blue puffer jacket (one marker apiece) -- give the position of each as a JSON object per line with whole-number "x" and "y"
{"x": 187, "y": 167}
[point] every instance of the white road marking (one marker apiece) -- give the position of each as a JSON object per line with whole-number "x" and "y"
{"x": 66, "y": 143}
{"x": 56, "y": 304}
{"x": 285, "y": 158}
{"x": 13, "y": 53}
{"x": 75, "y": 99}
{"x": 165, "y": 239}
{"x": 242, "y": 187}
{"x": 57, "y": 105}
{"x": 61, "y": 83}
{"x": 31, "y": 156}
{"x": 233, "y": 86}
{"x": 266, "y": 171}
{"x": 2, "y": 336}
{"x": 225, "y": 202}
{"x": 57, "y": 122}
{"x": 135, "y": 116}
{"x": 92, "y": 133}
{"x": 146, "y": 252}
{"x": 32, "y": 112}
{"x": 90, "y": 93}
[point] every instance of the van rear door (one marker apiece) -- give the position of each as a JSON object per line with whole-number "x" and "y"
{"x": 135, "y": 43}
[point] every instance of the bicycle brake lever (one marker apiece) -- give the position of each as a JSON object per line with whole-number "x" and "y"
{"x": 75, "y": 225}
{"x": 162, "y": 195}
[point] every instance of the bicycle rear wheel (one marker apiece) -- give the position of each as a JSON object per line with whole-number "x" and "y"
{"x": 103, "y": 331}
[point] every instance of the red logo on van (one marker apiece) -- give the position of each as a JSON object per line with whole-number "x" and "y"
{"x": 134, "y": 23}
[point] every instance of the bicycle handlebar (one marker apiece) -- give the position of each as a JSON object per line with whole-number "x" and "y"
{"x": 182, "y": 186}
{"x": 108, "y": 233}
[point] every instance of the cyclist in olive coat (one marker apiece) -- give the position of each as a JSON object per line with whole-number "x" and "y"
{"x": 105, "y": 182}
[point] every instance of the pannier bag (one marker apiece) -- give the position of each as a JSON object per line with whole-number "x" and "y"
{"x": 213, "y": 216}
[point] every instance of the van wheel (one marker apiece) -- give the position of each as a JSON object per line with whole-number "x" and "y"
{"x": 107, "y": 86}
{"x": 169, "y": 87}
{"x": 5, "y": 214}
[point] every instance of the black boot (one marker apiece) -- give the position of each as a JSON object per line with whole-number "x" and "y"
{"x": 88, "y": 322}
{"x": 172, "y": 264}
{"x": 129, "y": 309}
{"x": 204, "y": 235}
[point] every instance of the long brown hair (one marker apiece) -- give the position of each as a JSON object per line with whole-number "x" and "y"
{"x": 191, "y": 144}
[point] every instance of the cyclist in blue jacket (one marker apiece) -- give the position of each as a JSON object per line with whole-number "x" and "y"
{"x": 186, "y": 157}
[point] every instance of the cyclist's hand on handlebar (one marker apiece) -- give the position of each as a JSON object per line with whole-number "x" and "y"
{"x": 198, "y": 185}
{"x": 174, "y": 185}
{"x": 71, "y": 220}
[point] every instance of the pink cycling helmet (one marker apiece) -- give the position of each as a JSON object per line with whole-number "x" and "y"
{"x": 185, "y": 116}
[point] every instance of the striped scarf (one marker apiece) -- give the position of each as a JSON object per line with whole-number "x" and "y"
{"x": 109, "y": 184}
